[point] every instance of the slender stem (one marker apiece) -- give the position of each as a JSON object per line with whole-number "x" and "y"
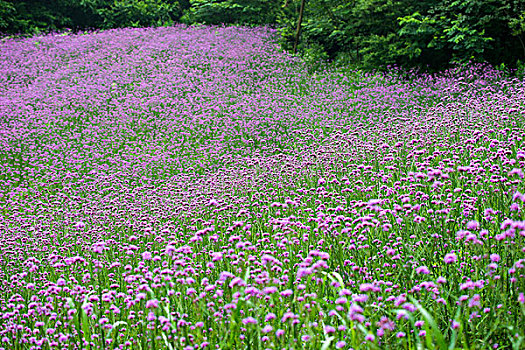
{"x": 522, "y": 45}
{"x": 299, "y": 22}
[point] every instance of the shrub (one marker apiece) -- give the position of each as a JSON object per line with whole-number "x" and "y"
{"x": 247, "y": 12}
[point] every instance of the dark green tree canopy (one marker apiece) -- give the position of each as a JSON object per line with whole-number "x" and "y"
{"x": 368, "y": 33}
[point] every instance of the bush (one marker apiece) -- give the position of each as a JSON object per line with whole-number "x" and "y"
{"x": 246, "y": 12}
{"x": 135, "y": 13}
{"x": 7, "y": 15}
{"x": 466, "y": 31}
{"x": 34, "y": 16}
{"x": 428, "y": 34}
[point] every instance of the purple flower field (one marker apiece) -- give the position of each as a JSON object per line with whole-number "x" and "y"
{"x": 189, "y": 188}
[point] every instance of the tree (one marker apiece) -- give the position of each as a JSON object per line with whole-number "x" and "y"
{"x": 246, "y": 12}
{"x": 299, "y": 22}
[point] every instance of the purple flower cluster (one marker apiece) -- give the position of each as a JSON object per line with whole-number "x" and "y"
{"x": 195, "y": 187}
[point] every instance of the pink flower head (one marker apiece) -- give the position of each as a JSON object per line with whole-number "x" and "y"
{"x": 287, "y": 316}
{"x": 441, "y": 280}
{"x": 151, "y": 316}
{"x": 360, "y": 298}
{"x": 237, "y": 281}
{"x": 249, "y": 320}
{"x": 270, "y": 290}
{"x": 472, "y": 225}
{"x": 495, "y": 258}
{"x": 267, "y": 329}
{"x": 386, "y": 324}
{"x": 269, "y": 317}
{"x": 216, "y": 256}
{"x": 409, "y": 307}
{"x": 366, "y": 287}
{"x": 287, "y": 293}
{"x": 341, "y": 301}
{"x": 152, "y": 304}
{"x": 450, "y": 258}
{"x": 422, "y": 270}
{"x": 517, "y": 171}
{"x": 518, "y": 196}
{"x": 80, "y": 225}
{"x": 329, "y": 329}
{"x": 344, "y": 292}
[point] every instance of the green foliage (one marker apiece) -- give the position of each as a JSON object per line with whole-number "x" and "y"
{"x": 33, "y": 16}
{"x": 7, "y": 14}
{"x": 326, "y": 23}
{"x": 134, "y": 13}
{"x": 246, "y": 12}
{"x": 427, "y": 34}
{"x": 364, "y": 31}
{"x": 468, "y": 30}
{"x": 370, "y": 34}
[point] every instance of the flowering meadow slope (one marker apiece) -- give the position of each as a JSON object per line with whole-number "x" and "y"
{"x": 186, "y": 188}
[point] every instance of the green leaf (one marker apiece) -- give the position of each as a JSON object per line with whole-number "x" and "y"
{"x": 327, "y": 342}
{"x": 115, "y": 325}
{"x": 428, "y": 318}
{"x": 168, "y": 345}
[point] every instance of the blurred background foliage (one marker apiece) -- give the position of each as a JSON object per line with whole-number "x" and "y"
{"x": 370, "y": 34}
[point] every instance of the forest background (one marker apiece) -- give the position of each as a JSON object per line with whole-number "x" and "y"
{"x": 368, "y": 34}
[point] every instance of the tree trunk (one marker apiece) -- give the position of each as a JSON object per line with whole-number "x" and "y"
{"x": 299, "y": 22}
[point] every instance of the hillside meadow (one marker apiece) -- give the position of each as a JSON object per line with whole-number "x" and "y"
{"x": 198, "y": 188}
